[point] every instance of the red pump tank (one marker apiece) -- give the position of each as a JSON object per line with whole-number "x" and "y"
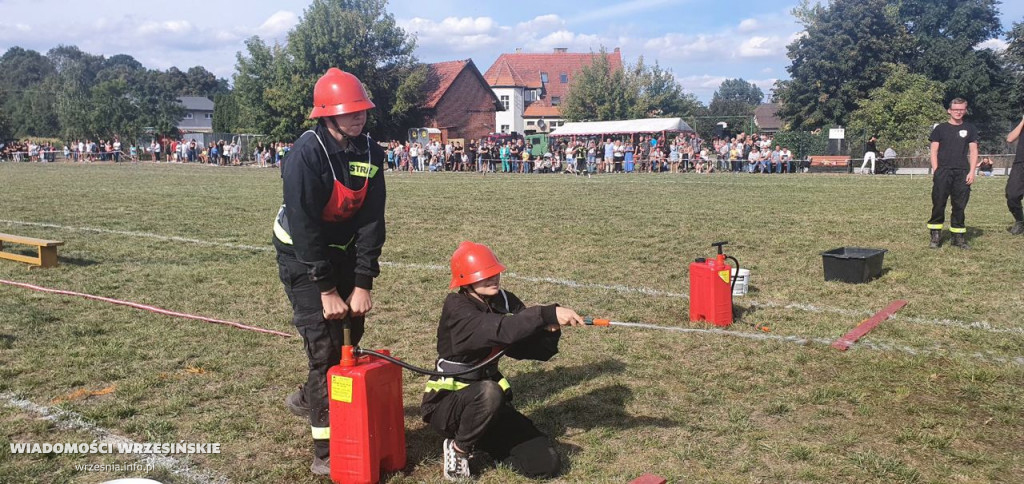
{"x": 710, "y": 289}
{"x": 367, "y": 419}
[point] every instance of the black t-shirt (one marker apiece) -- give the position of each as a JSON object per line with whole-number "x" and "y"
{"x": 954, "y": 144}
{"x": 1019, "y": 158}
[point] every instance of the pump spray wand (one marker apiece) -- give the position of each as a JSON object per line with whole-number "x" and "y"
{"x": 349, "y": 354}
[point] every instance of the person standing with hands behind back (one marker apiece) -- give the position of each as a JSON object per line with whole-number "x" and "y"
{"x": 328, "y": 236}
{"x": 1015, "y": 182}
{"x": 954, "y": 158}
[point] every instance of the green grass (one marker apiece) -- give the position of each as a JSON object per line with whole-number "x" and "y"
{"x": 937, "y": 403}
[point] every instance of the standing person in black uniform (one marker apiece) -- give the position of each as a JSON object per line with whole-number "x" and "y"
{"x": 328, "y": 236}
{"x": 474, "y": 412}
{"x": 1015, "y": 182}
{"x": 954, "y": 157}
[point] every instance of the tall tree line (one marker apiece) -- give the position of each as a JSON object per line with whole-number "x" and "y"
{"x": 273, "y": 84}
{"x": 861, "y": 55}
{"x": 71, "y": 94}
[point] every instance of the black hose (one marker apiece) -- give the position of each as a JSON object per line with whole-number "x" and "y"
{"x": 424, "y": 371}
{"x": 737, "y": 276}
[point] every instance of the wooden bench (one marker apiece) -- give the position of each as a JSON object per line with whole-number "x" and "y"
{"x": 842, "y": 161}
{"x": 47, "y": 250}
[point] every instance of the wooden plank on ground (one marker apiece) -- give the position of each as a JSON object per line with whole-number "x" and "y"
{"x": 867, "y": 325}
{"x": 18, "y": 239}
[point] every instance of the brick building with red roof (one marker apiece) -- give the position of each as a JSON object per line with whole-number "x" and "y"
{"x": 530, "y": 87}
{"x": 459, "y": 102}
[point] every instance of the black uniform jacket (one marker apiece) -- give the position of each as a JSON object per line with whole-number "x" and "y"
{"x": 470, "y": 330}
{"x": 308, "y": 184}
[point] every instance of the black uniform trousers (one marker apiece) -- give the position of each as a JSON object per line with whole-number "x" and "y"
{"x": 480, "y": 417}
{"x": 1015, "y": 191}
{"x": 321, "y": 339}
{"x": 949, "y": 183}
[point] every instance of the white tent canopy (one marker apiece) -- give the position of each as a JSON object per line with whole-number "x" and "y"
{"x": 626, "y": 126}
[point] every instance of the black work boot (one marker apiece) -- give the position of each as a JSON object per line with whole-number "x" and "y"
{"x": 960, "y": 240}
{"x": 1017, "y": 228}
{"x": 320, "y": 467}
{"x": 936, "y": 239}
{"x": 296, "y": 403}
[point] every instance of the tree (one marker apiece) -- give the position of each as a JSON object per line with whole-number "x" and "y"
{"x": 201, "y": 82}
{"x": 946, "y": 35}
{"x": 1013, "y": 60}
{"x": 225, "y": 114}
{"x": 738, "y": 90}
{"x": 735, "y": 98}
{"x": 6, "y": 133}
{"x": 839, "y": 59}
{"x": 659, "y": 94}
{"x": 28, "y": 106}
{"x": 901, "y": 112}
{"x": 76, "y": 74}
{"x": 114, "y": 111}
{"x": 357, "y": 36}
{"x": 599, "y": 93}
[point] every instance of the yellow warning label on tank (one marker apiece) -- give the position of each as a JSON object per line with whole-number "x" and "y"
{"x": 341, "y": 388}
{"x": 724, "y": 275}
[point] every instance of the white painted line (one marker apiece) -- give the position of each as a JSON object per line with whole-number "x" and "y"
{"x": 965, "y": 325}
{"x": 73, "y": 421}
{"x": 805, "y": 340}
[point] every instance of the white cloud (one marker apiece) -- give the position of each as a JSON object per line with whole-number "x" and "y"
{"x": 994, "y": 44}
{"x": 704, "y": 86}
{"x": 758, "y": 46}
{"x": 748, "y": 25}
{"x": 620, "y": 10}
{"x": 278, "y": 24}
{"x": 542, "y": 23}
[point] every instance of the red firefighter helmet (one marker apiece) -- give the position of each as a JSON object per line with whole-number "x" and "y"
{"x": 473, "y": 263}
{"x": 338, "y": 92}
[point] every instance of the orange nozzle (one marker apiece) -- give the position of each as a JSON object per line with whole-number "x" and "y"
{"x": 602, "y": 322}
{"x": 347, "y": 357}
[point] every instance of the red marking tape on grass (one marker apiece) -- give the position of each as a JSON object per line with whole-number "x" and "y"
{"x": 649, "y": 479}
{"x": 146, "y": 308}
{"x": 867, "y": 325}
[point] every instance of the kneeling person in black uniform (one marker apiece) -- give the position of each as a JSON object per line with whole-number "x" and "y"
{"x": 474, "y": 412}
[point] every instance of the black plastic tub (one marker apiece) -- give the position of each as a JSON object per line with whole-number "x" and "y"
{"x": 852, "y": 264}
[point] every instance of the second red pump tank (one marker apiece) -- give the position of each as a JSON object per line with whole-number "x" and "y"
{"x": 710, "y": 290}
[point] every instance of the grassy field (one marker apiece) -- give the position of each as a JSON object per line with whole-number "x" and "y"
{"x": 932, "y": 395}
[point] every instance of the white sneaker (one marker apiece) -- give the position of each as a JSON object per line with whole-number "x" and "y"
{"x": 456, "y": 464}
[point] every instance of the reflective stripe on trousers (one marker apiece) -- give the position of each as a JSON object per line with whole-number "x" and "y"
{"x": 454, "y": 385}
{"x": 321, "y": 433}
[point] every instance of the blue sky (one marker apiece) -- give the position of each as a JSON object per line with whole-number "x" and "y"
{"x": 701, "y": 42}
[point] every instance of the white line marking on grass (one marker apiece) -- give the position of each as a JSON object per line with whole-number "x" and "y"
{"x": 966, "y": 325}
{"x": 147, "y": 235}
{"x": 73, "y": 421}
{"x": 804, "y": 341}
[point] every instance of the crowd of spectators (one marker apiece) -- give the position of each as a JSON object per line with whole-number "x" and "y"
{"x": 680, "y": 153}
{"x": 223, "y": 153}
